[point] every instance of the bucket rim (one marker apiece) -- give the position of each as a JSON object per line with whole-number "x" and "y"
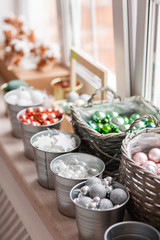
{"x": 47, "y": 131}
{"x": 130, "y": 223}
{"x": 30, "y": 105}
{"x": 73, "y": 153}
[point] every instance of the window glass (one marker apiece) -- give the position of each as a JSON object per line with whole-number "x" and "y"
{"x": 97, "y": 31}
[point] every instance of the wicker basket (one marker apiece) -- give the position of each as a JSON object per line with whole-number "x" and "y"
{"x": 107, "y": 146}
{"x": 143, "y": 186}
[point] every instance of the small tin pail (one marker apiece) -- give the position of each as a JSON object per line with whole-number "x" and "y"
{"x": 60, "y": 92}
{"x": 64, "y": 185}
{"x": 13, "y": 109}
{"x": 131, "y": 230}
{"x": 27, "y": 131}
{"x": 91, "y": 223}
{"x": 44, "y": 158}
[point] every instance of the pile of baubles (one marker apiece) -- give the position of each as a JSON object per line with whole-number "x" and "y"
{"x": 75, "y": 169}
{"x": 41, "y": 116}
{"x": 26, "y": 96}
{"x": 150, "y": 161}
{"x": 55, "y": 142}
{"x": 99, "y": 194}
{"x": 113, "y": 122}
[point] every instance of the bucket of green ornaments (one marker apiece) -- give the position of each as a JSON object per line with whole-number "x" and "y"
{"x": 99, "y": 203}
{"x": 102, "y": 125}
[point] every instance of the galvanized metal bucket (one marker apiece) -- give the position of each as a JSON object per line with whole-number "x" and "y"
{"x": 64, "y": 185}
{"x": 131, "y": 230}
{"x": 27, "y": 131}
{"x": 92, "y": 224}
{"x": 44, "y": 158}
{"x": 14, "y": 109}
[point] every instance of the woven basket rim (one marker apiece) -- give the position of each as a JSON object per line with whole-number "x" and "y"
{"x": 124, "y": 151}
{"x": 80, "y": 120}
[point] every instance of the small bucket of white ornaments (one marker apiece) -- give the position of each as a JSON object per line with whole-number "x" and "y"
{"x": 99, "y": 203}
{"x": 19, "y": 99}
{"x": 140, "y": 173}
{"x": 70, "y": 169}
{"x": 48, "y": 145}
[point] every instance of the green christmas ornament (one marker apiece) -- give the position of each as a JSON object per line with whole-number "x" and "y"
{"x": 106, "y": 128}
{"x": 93, "y": 125}
{"x": 149, "y": 121}
{"x": 114, "y": 128}
{"x": 98, "y": 116}
{"x": 118, "y": 120}
{"x": 106, "y": 120}
{"x": 100, "y": 126}
{"x": 140, "y": 125}
{"x": 112, "y": 114}
{"x": 126, "y": 120}
{"x": 124, "y": 128}
{"x": 131, "y": 120}
{"x": 134, "y": 116}
{"x": 150, "y": 125}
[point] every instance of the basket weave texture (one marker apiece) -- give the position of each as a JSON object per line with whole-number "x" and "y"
{"x": 107, "y": 146}
{"x": 144, "y": 187}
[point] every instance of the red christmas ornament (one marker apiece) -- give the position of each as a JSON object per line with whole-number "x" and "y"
{"x": 39, "y": 110}
{"x": 59, "y": 112}
{"x": 47, "y": 122}
{"x": 29, "y": 111}
{"x": 22, "y": 118}
{"x": 51, "y": 116}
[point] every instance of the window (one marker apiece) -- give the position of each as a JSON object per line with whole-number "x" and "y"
{"x": 147, "y": 72}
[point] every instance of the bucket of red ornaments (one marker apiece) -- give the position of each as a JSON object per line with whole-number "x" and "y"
{"x": 140, "y": 173}
{"x": 48, "y": 145}
{"x": 70, "y": 169}
{"x": 19, "y": 99}
{"x": 34, "y": 120}
{"x": 99, "y": 203}
{"x": 102, "y": 125}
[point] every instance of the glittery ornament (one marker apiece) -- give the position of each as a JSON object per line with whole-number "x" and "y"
{"x": 85, "y": 201}
{"x": 118, "y": 196}
{"x": 105, "y": 204}
{"x": 92, "y": 181}
{"x": 97, "y": 190}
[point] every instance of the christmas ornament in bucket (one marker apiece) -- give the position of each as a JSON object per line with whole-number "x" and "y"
{"x": 48, "y": 145}
{"x": 70, "y": 169}
{"x": 98, "y": 205}
{"x": 34, "y": 120}
{"x": 19, "y": 99}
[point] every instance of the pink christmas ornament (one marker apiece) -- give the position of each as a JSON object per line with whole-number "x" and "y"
{"x": 154, "y": 155}
{"x": 158, "y": 168}
{"x": 151, "y": 167}
{"x": 140, "y": 158}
